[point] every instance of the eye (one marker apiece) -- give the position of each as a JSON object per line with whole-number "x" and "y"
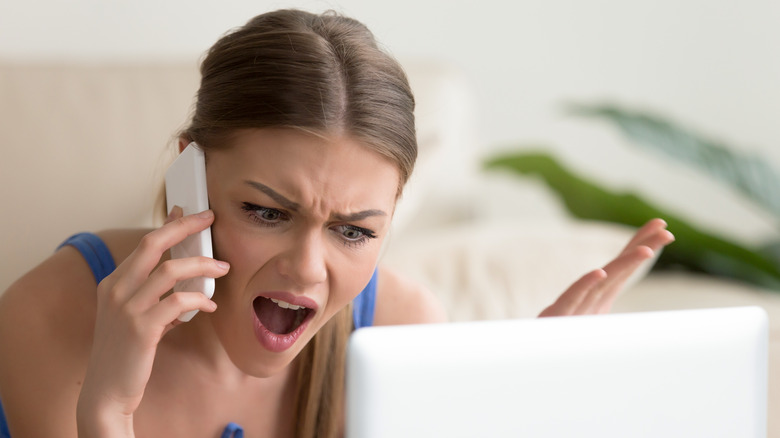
{"x": 353, "y": 235}
{"x": 268, "y": 214}
{"x": 264, "y": 215}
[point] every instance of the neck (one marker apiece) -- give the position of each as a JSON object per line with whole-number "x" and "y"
{"x": 191, "y": 365}
{"x": 196, "y": 343}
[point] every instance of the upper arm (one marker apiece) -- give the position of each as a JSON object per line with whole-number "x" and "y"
{"x": 46, "y": 321}
{"x": 400, "y": 300}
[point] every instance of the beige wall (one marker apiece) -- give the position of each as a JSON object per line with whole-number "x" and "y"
{"x": 711, "y": 64}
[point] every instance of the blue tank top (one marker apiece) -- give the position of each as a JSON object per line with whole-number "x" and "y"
{"x": 101, "y": 263}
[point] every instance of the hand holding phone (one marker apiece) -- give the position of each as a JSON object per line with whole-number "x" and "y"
{"x": 185, "y": 186}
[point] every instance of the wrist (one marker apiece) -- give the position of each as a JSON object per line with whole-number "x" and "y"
{"x": 98, "y": 420}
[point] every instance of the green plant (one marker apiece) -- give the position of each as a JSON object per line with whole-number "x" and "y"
{"x": 693, "y": 249}
{"x": 749, "y": 174}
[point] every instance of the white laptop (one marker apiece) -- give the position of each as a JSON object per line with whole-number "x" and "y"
{"x": 691, "y": 373}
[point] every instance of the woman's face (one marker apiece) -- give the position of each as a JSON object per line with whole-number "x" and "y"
{"x": 301, "y": 220}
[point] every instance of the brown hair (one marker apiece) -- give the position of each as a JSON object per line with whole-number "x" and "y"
{"x": 321, "y": 74}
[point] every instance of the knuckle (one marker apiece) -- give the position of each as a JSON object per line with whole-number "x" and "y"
{"x": 179, "y": 221}
{"x": 150, "y": 242}
{"x": 206, "y": 264}
{"x": 167, "y": 268}
{"x": 178, "y": 299}
{"x": 106, "y": 288}
{"x": 109, "y": 294}
{"x": 188, "y": 221}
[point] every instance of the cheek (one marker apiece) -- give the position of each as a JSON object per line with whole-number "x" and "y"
{"x": 244, "y": 254}
{"x": 252, "y": 257}
{"x": 231, "y": 247}
{"x": 349, "y": 276}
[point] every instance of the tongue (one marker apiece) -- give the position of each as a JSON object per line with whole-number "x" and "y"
{"x": 274, "y": 318}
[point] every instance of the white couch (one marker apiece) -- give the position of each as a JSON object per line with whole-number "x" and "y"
{"x": 85, "y": 146}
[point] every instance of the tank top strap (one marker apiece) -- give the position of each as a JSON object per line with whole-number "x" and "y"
{"x": 363, "y": 305}
{"x": 4, "y": 432}
{"x": 233, "y": 430}
{"x": 95, "y": 252}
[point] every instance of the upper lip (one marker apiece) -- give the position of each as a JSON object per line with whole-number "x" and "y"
{"x": 298, "y": 300}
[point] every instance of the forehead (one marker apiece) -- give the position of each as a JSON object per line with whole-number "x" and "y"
{"x": 301, "y": 164}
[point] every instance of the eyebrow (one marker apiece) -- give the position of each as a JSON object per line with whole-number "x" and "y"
{"x": 294, "y": 206}
{"x": 354, "y": 217}
{"x": 273, "y": 194}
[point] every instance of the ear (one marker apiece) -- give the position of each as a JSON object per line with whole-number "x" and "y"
{"x": 183, "y": 143}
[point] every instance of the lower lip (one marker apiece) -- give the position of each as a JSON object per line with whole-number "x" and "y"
{"x": 275, "y": 342}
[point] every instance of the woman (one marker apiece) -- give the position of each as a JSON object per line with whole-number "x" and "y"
{"x": 309, "y": 137}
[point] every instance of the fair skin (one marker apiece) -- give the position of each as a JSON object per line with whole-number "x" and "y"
{"x": 295, "y": 217}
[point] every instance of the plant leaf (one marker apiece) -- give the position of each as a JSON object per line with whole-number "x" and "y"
{"x": 747, "y": 173}
{"x": 692, "y": 249}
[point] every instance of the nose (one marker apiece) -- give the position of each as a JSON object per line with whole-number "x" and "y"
{"x": 304, "y": 261}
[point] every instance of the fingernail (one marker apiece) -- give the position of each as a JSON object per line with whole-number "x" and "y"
{"x": 206, "y": 214}
{"x": 212, "y": 305}
{"x": 222, "y": 265}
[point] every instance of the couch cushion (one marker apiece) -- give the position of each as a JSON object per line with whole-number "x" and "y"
{"x": 494, "y": 270}
{"x": 85, "y": 149}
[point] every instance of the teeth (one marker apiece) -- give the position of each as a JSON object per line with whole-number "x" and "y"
{"x": 285, "y": 304}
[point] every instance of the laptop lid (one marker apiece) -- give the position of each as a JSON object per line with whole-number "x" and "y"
{"x": 689, "y": 373}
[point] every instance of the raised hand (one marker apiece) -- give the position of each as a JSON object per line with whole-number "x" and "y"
{"x": 596, "y": 291}
{"x": 132, "y": 317}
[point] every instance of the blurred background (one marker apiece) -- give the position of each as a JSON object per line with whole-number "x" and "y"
{"x": 92, "y": 90}
{"x": 712, "y": 65}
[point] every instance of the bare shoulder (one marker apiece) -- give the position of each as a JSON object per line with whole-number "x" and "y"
{"x": 401, "y": 300}
{"x": 44, "y": 300}
{"x": 47, "y": 317}
{"x": 46, "y": 321}
{"x": 59, "y": 294}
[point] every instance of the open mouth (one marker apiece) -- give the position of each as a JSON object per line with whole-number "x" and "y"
{"x": 280, "y": 317}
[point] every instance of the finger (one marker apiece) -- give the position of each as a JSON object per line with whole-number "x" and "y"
{"x": 618, "y": 272}
{"x": 570, "y": 300}
{"x": 650, "y": 228}
{"x": 167, "y": 311}
{"x": 657, "y": 240}
{"x": 140, "y": 263}
{"x": 172, "y": 271}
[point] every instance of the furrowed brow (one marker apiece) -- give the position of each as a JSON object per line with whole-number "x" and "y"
{"x": 273, "y": 194}
{"x": 353, "y": 217}
{"x": 294, "y": 206}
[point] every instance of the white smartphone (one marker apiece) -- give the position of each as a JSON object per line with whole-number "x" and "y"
{"x": 185, "y": 186}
